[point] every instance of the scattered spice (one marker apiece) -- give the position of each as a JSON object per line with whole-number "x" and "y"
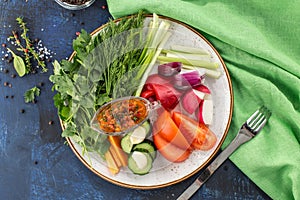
{"x": 29, "y": 48}
{"x": 13, "y": 76}
{"x": 33, "y": 52}
{"x": 22, "y": 111}
{"x": 5, "y": 83}
{"x": 50, "y": 122}
{"x": 10, "y": 85}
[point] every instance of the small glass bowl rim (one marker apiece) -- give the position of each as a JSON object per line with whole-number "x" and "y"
{"x": 148, "y": 107}
{"x": 75, "y": 7}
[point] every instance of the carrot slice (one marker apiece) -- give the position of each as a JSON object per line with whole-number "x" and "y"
{"x": 115, "y": 141}
{"x": 169, "y": 131}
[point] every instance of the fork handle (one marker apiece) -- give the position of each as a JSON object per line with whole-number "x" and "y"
{"x": 243, "y": 136}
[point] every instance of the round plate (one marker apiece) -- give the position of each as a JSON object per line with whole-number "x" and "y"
{"x": 165, "y": 173}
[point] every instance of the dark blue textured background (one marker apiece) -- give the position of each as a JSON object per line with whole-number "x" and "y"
{"x": 34, "y": 161}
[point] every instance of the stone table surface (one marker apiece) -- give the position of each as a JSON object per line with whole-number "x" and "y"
{"x": 35, "y": 162}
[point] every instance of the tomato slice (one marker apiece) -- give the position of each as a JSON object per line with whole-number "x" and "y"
{"x": 170, "y": 151}
{"x": 167, "y": 129}
{"x": 198, "y": 134}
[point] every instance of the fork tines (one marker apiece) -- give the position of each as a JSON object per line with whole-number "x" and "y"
{"x": 258, "y": 119}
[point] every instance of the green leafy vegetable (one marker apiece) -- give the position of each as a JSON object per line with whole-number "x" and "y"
{"x": 103, "y": 67}
{"x": 30, "y": 94}
{"x": 19, "y": 64}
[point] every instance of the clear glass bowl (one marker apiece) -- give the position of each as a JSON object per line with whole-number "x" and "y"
{"x": 73, "y": 6}
{"x": 114, "y": 108}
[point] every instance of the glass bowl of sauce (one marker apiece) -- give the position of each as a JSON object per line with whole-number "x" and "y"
{"x": 75, "y": 4}
{"x": 122, "y": 115}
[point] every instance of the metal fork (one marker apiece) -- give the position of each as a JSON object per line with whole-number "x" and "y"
{"x": 248, "y": 130}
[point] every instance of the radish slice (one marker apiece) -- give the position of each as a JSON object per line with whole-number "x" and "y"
{"x": 200, "y": 95}
{"x": 206, "y": 112}
{"x": 191, "y": 102}
{"x": 202, "y": 88}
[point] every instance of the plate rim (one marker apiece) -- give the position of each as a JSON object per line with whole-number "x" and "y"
{"x": 132, "y": 186}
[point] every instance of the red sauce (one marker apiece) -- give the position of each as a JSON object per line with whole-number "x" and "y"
{"x": 122, "y": 115}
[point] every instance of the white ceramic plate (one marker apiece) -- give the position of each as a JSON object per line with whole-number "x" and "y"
{"x": 165, "y": 173}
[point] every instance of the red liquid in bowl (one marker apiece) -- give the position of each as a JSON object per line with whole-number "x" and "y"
{"x": 122, "y": 115}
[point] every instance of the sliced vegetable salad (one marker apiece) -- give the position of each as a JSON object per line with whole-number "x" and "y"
{"x": 121, "y": 60}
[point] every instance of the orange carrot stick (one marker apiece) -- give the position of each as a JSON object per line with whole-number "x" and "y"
{"x": 115, "y": 156}
{"x": 111, "y": 164}
{"x": 115, "y": 141}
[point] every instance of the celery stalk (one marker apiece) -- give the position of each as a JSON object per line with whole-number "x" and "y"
{"x": 188, "y": 56}
{"x": 200, "y": 63}
{"x": 188, "y": 49}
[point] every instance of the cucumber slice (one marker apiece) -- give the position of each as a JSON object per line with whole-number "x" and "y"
{"x": 138, "y": 135}
{"x": 147, "y": 126}
{"x": 126, "y": 144}
{"x": 146, "y": 146}
{"x": 140, "y": 162}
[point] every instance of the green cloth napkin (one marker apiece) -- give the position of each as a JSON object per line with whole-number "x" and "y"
{"x": 260, "y": 44}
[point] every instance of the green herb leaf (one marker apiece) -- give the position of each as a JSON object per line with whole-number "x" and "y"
{"x": 30, "y": 94}
{"x": 100, "y": 63}
{"x": 19, "y": 64}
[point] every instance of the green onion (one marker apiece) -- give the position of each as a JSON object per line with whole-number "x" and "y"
{"x": 156, "y": 40}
